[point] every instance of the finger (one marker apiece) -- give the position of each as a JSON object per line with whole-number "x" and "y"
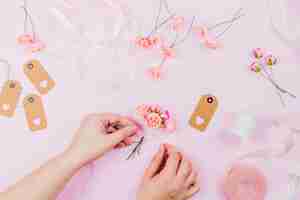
{"x": 121, "y": 134}
{"x": 192, "y": 179}
{"x": 193, "y": 190}
{"x": 113, "y": 118}
{"x": 170, "y": 148}
{"x": 110, "y": 130}
{"x": 155, "y": 163}
{"x": 184, "y": 170}
{"x": 128, "y": 141}
{"x": 172, "y": 164}
{"x": 127, "y": 121}
{"x": 105, "y": 117}
{"x": 120, "y": 145}
{"x": 102, "y": 119}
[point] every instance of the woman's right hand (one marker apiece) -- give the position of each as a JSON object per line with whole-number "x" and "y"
{"x": 170, "y": 176}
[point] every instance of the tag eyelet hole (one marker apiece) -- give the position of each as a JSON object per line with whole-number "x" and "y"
{"x": 210, "y": 100}
{"x": 12, "y": 85}
{"x": 30, "y": 99}
{"x": 30, "y": 66}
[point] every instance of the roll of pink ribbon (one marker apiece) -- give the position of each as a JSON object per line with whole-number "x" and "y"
{"x": 244, "y": 182}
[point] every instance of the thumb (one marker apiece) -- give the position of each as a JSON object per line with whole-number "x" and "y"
{"x": 123, "y": 133}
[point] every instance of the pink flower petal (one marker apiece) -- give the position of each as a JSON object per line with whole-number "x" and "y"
{"x": 201, "y": 32}
{"x": 255, "y": 67}
{"x": 258, "y": 53}
{"x": 167, "y": 52}
{"x": 212, "y": 43}
{"x": 25, "y": 39}
{"x": 155, "y": 73}
{"x": 36, "y": 46}
{"x": 178, "y": 23}
{"x": 166, "y": 115}
{"x": 147, "y": 42}
{"x": 142, "y": 110}
{"x": 154, "y": 120}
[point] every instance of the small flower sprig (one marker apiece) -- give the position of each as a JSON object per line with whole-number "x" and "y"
{"x": 263, "y": 65}
{"x": 151, "y": 40}
{"x": 29, "y": 39}
{"x": 207, "y": 36}
{"x": 168, "y": 52}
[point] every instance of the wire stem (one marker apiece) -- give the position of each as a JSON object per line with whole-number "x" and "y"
{"x": 161, "y": 24}
{"x": 28, "y": 17}
{"x": 186, "y": 35}
{"x": 136, "y": 149}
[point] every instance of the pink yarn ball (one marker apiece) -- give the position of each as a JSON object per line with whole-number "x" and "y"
{"x": 244, "y": 182}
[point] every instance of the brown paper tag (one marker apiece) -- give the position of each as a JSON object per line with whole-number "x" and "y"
{"x": 204, "y": 112}
{"x": 35, "y": 113}
{"x": 38, "y": 76}
{"x": 9, "y": 97}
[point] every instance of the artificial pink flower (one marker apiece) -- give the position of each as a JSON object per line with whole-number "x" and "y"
{"x": 147, "y": 42}
{"x": 271, "y": 60}
{"x": 143, "y": 110}
{"x": 255, "y": 67}
{"x": 244, "y": 182}
{"x": 258, "y": 53}
{"x": 208, "y": 40}
{"x": 167, "y": 52}
{"x": 212, "y": 43}
{"x": 154, "y": 120}
{"x": 156, "y": 117}
{"x": 25, "y": 39}
{"x": 155, "y": 73}
{"x": 165, "y": 115}
{"x": 201, "y": 32}
{"x": 32, "y": 44}
{"x": 170, "y": 125}
{"x": 36, "y": 46}
{"x": 178, "y": 23}
{"x": 156, "y": 108}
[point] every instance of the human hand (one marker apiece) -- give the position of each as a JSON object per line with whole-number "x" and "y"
{"x": 98, "y": 134}
{"x": 170, "y": 176}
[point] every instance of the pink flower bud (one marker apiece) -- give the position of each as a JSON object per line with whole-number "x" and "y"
{"x": 258, "y": 53}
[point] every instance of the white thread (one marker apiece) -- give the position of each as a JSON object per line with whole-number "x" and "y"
{"x": 293, "y": 186}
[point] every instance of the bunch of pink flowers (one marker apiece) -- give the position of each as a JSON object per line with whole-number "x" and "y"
{"x": 156, "y": 117}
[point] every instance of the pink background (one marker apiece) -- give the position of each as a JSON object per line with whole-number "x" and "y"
{"x": 103, "y": 79}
